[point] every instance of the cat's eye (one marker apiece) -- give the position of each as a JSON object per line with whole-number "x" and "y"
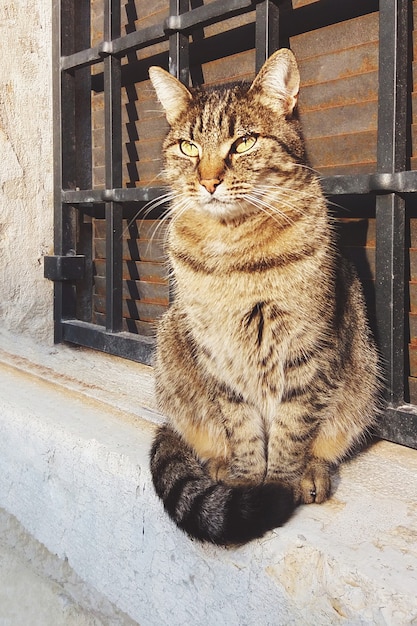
{"x": 243, "y": 144}
{"x": 189, "y": 148}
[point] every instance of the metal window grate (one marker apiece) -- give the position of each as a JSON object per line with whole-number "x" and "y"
{"x": 80, "y": 65}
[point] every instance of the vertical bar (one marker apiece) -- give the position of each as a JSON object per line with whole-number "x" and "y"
{"x": 267, "y": 31}
{"x": 179, "y": 62}
{"x": 113, "y": 150}
{"x": 390, "y": 209}
{"x": 64, "y": 156}
{"x": 83, "y": 165}
{"x": 179, "y": 66}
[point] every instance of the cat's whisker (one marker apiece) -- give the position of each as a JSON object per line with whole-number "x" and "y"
{"x": 182, "y": 204}
{"x": 284, "y": 188}
{"x": 148, "y": 207}
{"x": 269, "y": 210}
{"x": 307, "y": 167}
{"x": 279, "y": 199}
{"x": 304, "y": 194}
{"x": 172, "y": 213}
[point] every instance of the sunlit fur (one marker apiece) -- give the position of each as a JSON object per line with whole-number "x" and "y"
{"x": 265, "y": 367}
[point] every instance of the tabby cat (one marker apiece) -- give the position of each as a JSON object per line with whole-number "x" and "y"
{"x": 265, "y": 366}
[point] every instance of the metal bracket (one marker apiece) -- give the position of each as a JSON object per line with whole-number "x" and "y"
{"x": 70, "y": 267}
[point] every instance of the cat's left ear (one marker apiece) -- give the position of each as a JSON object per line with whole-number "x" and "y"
{"x": 172, "y": 94}
{"x": 278, "y": 81}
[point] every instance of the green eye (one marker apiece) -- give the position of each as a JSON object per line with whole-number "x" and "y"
{"x": 188, "y": 148}
{"x": 243, "y": 144}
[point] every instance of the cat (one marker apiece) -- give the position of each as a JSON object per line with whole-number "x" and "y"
{"x": 265, "y": 366}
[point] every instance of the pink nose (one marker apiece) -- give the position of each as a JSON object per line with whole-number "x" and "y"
{"x": 210, "y": 184}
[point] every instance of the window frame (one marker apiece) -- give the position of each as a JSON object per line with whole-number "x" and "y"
{"x": 71, "y": 266}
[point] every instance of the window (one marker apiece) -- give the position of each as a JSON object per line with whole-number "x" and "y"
{"x": 355, "y": 62}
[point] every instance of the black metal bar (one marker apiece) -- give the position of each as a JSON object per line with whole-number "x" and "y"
{"x": 390, "y": 209}
{"x": 179, "y": 63}
{"x": 267, "y": 31}
{"x": 340, "y": 184}
{"x": 139, "y": 39}
{"x": 185, "y": 21}
{"x": 64, "y": 157}
{"x": 82, "y": 58}
{"x": 399, "y": 425}
{"x": 125, "y": 194}
{"x": 123, "y": 344}
{"x": 378, "y": 183}
{"x": 113, "y": 165}
{"x": 83, "y": 165}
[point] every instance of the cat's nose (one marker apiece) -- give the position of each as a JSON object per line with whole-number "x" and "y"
{"x": 210, "y": 184}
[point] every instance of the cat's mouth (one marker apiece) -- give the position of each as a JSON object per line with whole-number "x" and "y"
{"x": 223, "y": 209}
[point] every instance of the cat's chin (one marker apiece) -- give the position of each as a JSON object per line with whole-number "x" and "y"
{"x": 225, "y": 211}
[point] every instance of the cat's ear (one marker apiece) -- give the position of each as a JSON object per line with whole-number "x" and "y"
{"x": 278, "y": 81}
{"x": 172, "y": 94}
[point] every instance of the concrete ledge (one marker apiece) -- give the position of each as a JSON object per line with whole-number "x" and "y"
{"x": 38, "y": 589}
{"x": 74, "y": 472}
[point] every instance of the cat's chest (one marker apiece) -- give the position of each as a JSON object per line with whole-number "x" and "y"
{"x": 241, "y": 339}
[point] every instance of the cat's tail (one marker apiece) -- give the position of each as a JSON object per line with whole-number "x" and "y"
{"x": 208, "y": 510}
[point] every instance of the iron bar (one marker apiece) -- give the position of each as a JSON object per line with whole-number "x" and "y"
{"x": 267, "y": 31}
{"x": 113, "y": 166}
{"x": 83, "y": 58}
{"x": 123, "y": 344}
{"x": 390, "y": 209}
{"x": 64, "y": 162}
{"x": 179, "y": 62}
{"x": 185, "y": 21}
{"x": 122, "y": 194}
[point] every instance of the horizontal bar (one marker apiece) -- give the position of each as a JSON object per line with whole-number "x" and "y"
{"x": 83, "y": 58}
{"x": 399, "y": 425}
{"x": 69, "y": 267}
{"x": 98, "y": 196}
{"x": 126, "y": 345}
{"x": 201, "y": 16}
{"x": 380, "y": 183}
{"x": 138, "y": 39}
{"x": 207, "y": 14}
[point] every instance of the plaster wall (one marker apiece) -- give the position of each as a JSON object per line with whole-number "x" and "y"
{"x": 26, "y": 214}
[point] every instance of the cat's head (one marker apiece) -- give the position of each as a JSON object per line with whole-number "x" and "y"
{"x": 230, "y": 148}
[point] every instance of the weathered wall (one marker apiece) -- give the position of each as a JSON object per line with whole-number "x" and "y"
{"x": 26, "y": 214}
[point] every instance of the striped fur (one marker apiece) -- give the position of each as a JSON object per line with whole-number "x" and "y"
{"x": 209, "y": 510}
{"x": 265, "y": 366}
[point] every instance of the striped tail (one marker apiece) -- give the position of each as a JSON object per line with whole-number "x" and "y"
{"x": 211, "y": 511}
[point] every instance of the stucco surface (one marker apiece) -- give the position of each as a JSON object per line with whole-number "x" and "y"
{"x": 38, "y": 589}
{"x": 26, "y": 166}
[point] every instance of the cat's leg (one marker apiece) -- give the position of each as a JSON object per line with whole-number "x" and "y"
{"x": 292, "y": 433}
{"x": 247, "y": 462}
{"x": 333, "y": 441}
{"x": 303, "y": 449}
{"x": 185, "y": 395}
{"x": 315, "y": 485}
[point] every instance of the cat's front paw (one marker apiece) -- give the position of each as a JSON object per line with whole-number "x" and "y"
{"x": 218, "y": 469}
{"x": 315, "y": 485}
{"x": 231, "y": 474}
